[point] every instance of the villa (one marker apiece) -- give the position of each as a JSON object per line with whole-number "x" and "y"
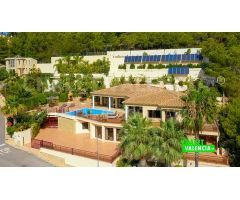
{"x": 20, "y": 65}
{"x": 82, "y": 131}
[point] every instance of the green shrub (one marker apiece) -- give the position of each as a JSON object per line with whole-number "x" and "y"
{"x": 122, "y": 162}
{"x": 35, "y": 129}
{"x": 132, "y": 66}
{"x": 122, "y": 80}
{"x": 151, "y": 66}
{"x": 42, "y": 99}
{"x": 3, "y": 74}
{"x": 131, "y": 79}
{"x": 143, "y": 80}
{"x": 160, "y": 66}
{"x": 11, "y": 130}
{"x": 143, "y": 66}
{"x": 180, "y": 83}
{"x": 123, "y": 66}
{"x": 114, "y": 82}
{"x": 155, "y": 81}
{"x": 63, "y": 97}
{"x": 22, "y": 126}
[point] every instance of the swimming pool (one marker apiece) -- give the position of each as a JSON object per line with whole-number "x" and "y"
{"x": 87, "y": 111}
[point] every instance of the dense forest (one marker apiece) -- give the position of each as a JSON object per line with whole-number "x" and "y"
{"x": 222, "y": 49}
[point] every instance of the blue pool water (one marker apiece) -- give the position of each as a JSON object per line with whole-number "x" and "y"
{"x": 87, "y": 111}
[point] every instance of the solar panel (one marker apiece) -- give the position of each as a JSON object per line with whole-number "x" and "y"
{"x": 167, "y": 58}
{"x": 178, "y": 70}
{"x": 170, "y": 58}
{"x": 184, "y": 57}
{"x": 192, "y": 57}
{"x": 174, "y": 70}
{"x": 132, "y": 58}
{"x": 151, "y": 58}
{"x": 125, "y": 59}
{"x": 135, "y": 58}
{"x": 175, "y": 57}
{"x": 163, "y": 58}
{"x": 179, "y": 56}
{"x": 188, "y": 57}
{"x": 144, "y": 59}
{"x": 170, "y": 70}
{"x": 148, "y": 59}
{"x": 155, "y": 58}
{"x": 158, "y": 58}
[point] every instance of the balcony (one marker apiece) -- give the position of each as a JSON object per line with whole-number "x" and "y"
{"x": 116, "y": 119}
{"x": 208, "y": 158}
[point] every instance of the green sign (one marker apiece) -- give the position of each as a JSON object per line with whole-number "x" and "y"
{"x": 190, "y": 146}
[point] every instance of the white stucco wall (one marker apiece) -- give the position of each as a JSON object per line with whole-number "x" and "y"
{"x": 116, "y": 58}
{"x": 22, "y": 137}
{"x": 76, "y": 161}
{"x": 46, "y": 68}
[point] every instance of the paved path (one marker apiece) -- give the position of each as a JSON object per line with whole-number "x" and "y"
{"x": 12, "y": 157}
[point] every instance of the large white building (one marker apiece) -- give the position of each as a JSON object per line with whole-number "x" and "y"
{"x": 140, "y": 57}
{"x": 127, "y": 59}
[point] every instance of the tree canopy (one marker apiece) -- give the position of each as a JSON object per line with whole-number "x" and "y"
{"x": 222, "y": 49}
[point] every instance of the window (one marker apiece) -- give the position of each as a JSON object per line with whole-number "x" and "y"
{"x": 120, "y": 104}
{"x": 98, "y": 132}
{"x": 11, "y": 63}
{"x": 109, "y": 134}
{"x": 170, "y": 114}
{"x": 118, "y": 134}
{"x": 85, "y": 125}
{"x": 154, "y": 113}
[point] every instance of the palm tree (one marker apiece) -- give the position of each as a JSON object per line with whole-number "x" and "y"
{"x": 167, "y": 142}
{"x": 13, "y": 108}
{"x": 60, "y": 65}
{"x": 143, "y": 143}
{"x": 135, "y": 140}
{"x": 77, "y": 59}
{"x": 200, "y": 109}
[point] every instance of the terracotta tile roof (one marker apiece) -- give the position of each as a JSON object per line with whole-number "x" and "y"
{"x": 161, "y": 99}
{"x": 143, "y": 94}
{"x": 125, "y": 90}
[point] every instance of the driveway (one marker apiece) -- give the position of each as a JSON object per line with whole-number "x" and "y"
{"x": 12, "y": 157}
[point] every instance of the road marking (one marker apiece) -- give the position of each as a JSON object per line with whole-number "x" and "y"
{"x": 5, "y": 150}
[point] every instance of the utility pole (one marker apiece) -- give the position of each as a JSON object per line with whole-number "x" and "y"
{"x": 97, "y": 153}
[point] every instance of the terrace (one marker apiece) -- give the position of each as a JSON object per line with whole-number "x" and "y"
{"x": 76, "y": 144}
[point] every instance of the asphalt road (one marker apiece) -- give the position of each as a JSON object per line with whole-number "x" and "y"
{"x": 12, "y": 157}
